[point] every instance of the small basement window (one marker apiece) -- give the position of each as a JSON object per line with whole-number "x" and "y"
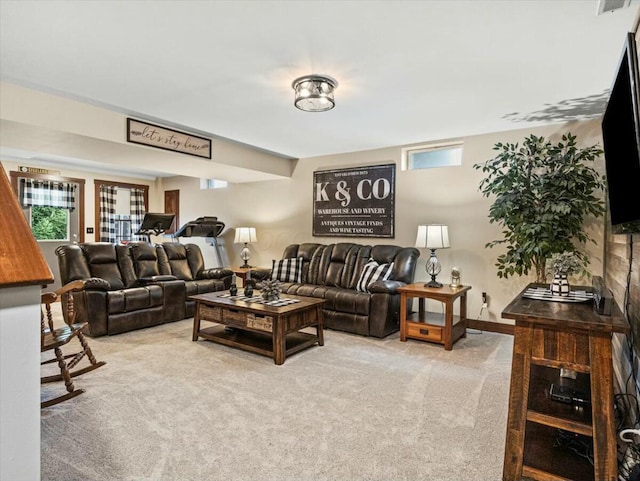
{"x": 213, "y": 184}
{"x": 431, "y": 156}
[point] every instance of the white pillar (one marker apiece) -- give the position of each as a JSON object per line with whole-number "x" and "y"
{"x": 20, "y": 383}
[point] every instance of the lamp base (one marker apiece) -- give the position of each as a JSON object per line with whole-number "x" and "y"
{"x": 433, "y": 283}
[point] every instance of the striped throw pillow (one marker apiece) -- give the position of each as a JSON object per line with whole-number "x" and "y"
{"x": 287, "y": 270}
{"x": 371, "y": 273}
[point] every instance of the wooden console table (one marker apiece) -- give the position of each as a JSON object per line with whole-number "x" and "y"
{"x": 432, "y": 326}
{"x": 550, "y": 336}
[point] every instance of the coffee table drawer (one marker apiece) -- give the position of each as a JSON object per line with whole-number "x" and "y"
{"x": 262, "y": 323}
{"x": 233, "y": 317}
{"x": 424, "y": 331}
{"x": 210, "y": 313}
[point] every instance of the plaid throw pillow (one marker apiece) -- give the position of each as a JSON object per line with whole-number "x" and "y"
{"x": 287, "y": 270}
{"x": 371, "y": 273}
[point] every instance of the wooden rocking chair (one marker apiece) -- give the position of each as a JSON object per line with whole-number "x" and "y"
{"x": 54, "y": 338}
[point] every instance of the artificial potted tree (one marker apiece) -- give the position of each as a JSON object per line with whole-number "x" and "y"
{"x": 543, "y": 193}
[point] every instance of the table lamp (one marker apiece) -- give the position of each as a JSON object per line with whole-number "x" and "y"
{"x": 433, "y": 236}
{"x": 246, "y": 236}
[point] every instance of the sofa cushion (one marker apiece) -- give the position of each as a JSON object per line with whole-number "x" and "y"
{"x": 287, "y": 270}
{"x": 203, "y": 286}
{"x": 178, "y": 262}
{"x": 347, "y": 301}
{"x": 103, "y": 262}
{"x": 145, "y": 259}
{"x": 373, "y": 272}
{"x": 134, "y": 299}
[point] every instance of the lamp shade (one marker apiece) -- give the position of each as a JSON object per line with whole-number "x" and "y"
{"x": 245, "y": 235}
{"x": 433, "y": 236}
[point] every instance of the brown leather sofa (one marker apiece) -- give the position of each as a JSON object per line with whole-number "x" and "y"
{"x": 136, "y": 285}
{"x": 331, "y": 272}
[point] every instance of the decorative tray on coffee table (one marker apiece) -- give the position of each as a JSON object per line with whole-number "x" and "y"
{"x": 544, "y": 294}
{"x": 283, "y": 301}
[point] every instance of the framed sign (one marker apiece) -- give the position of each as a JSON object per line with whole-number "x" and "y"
{"x": 152, "y": 135}
{"x": 354, "y": 202}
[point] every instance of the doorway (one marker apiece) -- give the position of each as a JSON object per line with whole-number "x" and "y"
{"x": 172, "y": 206}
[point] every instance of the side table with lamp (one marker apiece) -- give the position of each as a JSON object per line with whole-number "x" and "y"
{"x": 442, "y": 328}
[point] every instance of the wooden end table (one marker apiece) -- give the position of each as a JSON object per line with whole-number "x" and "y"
{"x": 262, "y": 329}
{"x": 433, "y": 326}
{"x": 241, "y": 272}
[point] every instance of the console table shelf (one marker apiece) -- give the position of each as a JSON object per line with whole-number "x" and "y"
{"x": 551, "y": 336}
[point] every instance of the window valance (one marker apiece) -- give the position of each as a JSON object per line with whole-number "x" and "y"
{"x": 48, "y": 193}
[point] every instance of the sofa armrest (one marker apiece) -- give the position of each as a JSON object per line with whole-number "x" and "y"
{"x": 214, "y": 273}
{"x": 260, "y": 274}
{"x": 90, "y": 284}
{"x": 386, "y": 287}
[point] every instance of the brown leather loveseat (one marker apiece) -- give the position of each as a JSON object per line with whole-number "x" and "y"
{"x": 333, "y": 272}
{"x": 136, "y": 285}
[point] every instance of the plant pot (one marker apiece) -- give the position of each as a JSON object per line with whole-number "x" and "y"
{"x": 560, "y": 285}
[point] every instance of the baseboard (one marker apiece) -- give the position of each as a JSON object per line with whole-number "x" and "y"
{"x": 489, "y": 326}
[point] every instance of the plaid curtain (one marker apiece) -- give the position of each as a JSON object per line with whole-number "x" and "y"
{"x": 108, "y": 213}
{"x": 48, "y": 193}
{"x": 137, "y": 212}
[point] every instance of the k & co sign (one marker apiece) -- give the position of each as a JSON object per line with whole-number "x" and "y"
{"x": 356, "y": 202}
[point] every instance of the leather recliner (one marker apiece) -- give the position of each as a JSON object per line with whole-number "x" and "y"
{"x": 332, "y": 271}
{"x": 136, "y": 285}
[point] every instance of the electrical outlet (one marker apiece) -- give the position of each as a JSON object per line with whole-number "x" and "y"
{"x": 485, "y": 300}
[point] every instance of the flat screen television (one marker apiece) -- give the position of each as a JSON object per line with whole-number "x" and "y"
{"x": 621, "y": 138}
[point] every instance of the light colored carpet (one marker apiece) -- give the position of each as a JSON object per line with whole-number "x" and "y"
{"x": 357, "y": 409}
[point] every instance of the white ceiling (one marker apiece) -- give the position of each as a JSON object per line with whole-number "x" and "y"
{"x": 408, "y": 71}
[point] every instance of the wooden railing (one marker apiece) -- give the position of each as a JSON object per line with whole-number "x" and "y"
{"x": 21, "y": 260}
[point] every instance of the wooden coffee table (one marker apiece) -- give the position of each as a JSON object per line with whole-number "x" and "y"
{"x": 264, "y": 329}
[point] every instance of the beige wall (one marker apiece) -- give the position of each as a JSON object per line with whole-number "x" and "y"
{"x": 281, "y": 211}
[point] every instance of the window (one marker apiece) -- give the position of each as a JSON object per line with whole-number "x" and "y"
{"x": 53, "y": 205}
{"x": 48, "y": 203}
{"x": 50, "y": 223}
{"x": 120, "y": 209}
{"x": 431, "y": 156}
{"x": 213, "y": 184}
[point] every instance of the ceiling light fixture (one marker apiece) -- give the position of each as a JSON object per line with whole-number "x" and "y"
{"x": 314, "y": 93}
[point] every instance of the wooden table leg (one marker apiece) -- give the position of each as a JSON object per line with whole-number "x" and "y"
{"x": 279, "y": 341}
{"x": 196, "y": 323}
{"x": 602, "y": 413}
{"x": 518, "y": 401}
{"x": 463, "y": 313}
{"x": 448, "y": 325}
{"x": 403, "y": 317}
{"x": 320, "y": 326}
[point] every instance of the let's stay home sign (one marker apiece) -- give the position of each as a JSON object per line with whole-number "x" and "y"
{"x": 354, "y": 202}
{"x": 167, "y": 139}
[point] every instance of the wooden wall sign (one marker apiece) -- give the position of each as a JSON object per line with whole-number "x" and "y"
{"x": 354, "y": 202}
{"x": 144, "y": 133}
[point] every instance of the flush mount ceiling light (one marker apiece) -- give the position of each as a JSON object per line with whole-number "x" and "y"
{"x": 314, "y": 93}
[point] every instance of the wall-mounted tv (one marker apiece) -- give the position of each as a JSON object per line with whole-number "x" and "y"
{"x": 621, "y": 137}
